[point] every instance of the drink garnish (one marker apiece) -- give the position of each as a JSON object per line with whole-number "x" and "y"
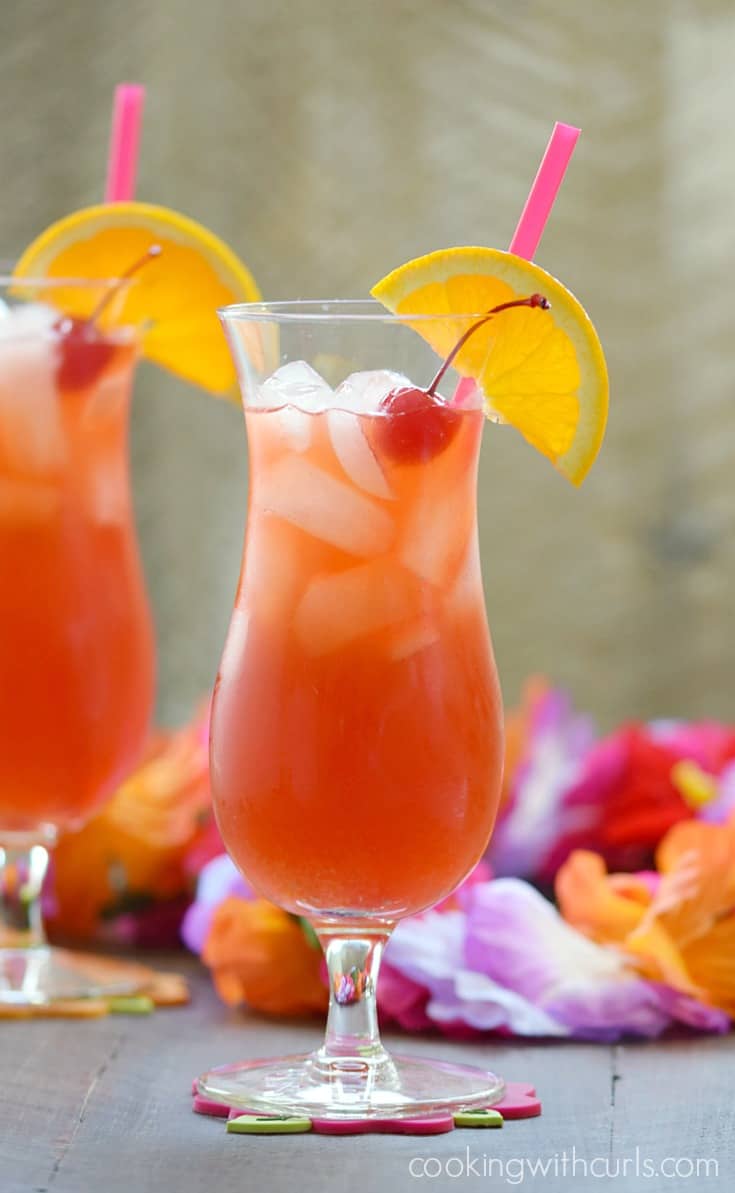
{"x": 420, "y": 423}
{"x": 86, "y": 352}
{"x": 174, "y": 305}
{"x": 546, "y": 377}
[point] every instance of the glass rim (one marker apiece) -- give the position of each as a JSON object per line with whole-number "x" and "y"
{"x": 8, "y": 282}
{"x": 332, "y": 310}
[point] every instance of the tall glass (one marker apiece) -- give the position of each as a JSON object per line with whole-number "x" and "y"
{"x": 356, "y": 733}
{"x": 76, "y": 640}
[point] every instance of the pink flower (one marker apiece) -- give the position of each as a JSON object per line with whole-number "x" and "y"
{"x": 207, "y": 846}
{"x": 708, "y": 743}
{"x": 402, "y": 1000}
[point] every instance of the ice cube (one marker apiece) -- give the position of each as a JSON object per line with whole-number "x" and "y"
{"x": 26, "y": 319}
{"x": 107, "y": 494}
{"x": 293, "y": 427}
{"x": 416, "y": 635}
{"x": 103, "y": 458}
{"x": 467, "y": 591}
{"x": 342, "y": 607}
{"x": 324, "y": 507}
{"x": 355, "y": 453}
{"x": 276, "y": 567}
{"x": 106, "y": 488}
{"x": 31, "y": 432}
{"x": 363, "y": 392}
{"x": 436, "y": 533}
{"x": 296, "y": 384}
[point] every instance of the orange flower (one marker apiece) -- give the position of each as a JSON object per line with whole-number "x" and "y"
{"x": 678, "y": 929}
{"x": 259, "y": 955}
{"x": 135, "y": 848}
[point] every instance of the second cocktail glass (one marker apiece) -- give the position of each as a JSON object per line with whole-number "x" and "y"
{"x": 357, "y": 726}
{"x": 76, "y": 638}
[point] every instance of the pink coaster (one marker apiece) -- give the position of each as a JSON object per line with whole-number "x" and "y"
{"x": 207, "y": 1106}
{"x": 519, "y": 1101}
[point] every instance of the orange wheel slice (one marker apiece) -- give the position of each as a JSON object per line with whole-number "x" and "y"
{"x": 542, "y": 371}
{"x": 173, "y": 300}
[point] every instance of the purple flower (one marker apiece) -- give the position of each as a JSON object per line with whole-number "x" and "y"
{"x": 430, "y": 951}
{"x": 516, "y": 936}
{"x": 508, "y": 962}
{"x": 536, "y": 813}
{"x": 218, "y": 880}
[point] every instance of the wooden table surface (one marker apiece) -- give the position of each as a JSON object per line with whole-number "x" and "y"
{"x": 104, "y": 1107}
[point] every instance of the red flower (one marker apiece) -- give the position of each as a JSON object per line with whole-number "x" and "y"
{"x": 624, "y": 802}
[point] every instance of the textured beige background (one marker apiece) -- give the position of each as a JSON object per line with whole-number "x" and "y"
{"x": 329, "y": 141}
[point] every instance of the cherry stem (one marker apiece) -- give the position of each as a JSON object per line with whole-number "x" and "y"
{"x": 149, "y": 255}
{"x": 535, "y": 300}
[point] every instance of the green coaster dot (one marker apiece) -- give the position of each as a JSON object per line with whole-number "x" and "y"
{"x": 132, "y": 1004}
{"x": 255, "y": 1124}
{"x": 478, "y": 1118}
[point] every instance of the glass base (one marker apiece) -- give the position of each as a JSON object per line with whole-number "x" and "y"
{"x": 40, "y": 976}
{"x": 350, "y": 1088}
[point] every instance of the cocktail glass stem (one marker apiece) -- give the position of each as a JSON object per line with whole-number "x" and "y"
{"x": 352, "y": 1035}
{"x": 31, "y": 972}
{"x": 23, "y": 866}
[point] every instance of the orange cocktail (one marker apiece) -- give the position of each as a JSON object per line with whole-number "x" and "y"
{"x": 76, "y": 643}
{"x": 76, "y": 640}
{"x": 357, "y": 740}
{"x": 356, "y": 725}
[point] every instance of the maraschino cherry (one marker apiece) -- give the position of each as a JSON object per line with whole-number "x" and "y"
{"x": 420, "y": 423}
{"x": 85, "y": 351}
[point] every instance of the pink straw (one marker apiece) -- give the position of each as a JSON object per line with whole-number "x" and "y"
{"x": 537, "y": 208}
{"x": 544, "y": 191}
{"x": 122, "y": 165}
